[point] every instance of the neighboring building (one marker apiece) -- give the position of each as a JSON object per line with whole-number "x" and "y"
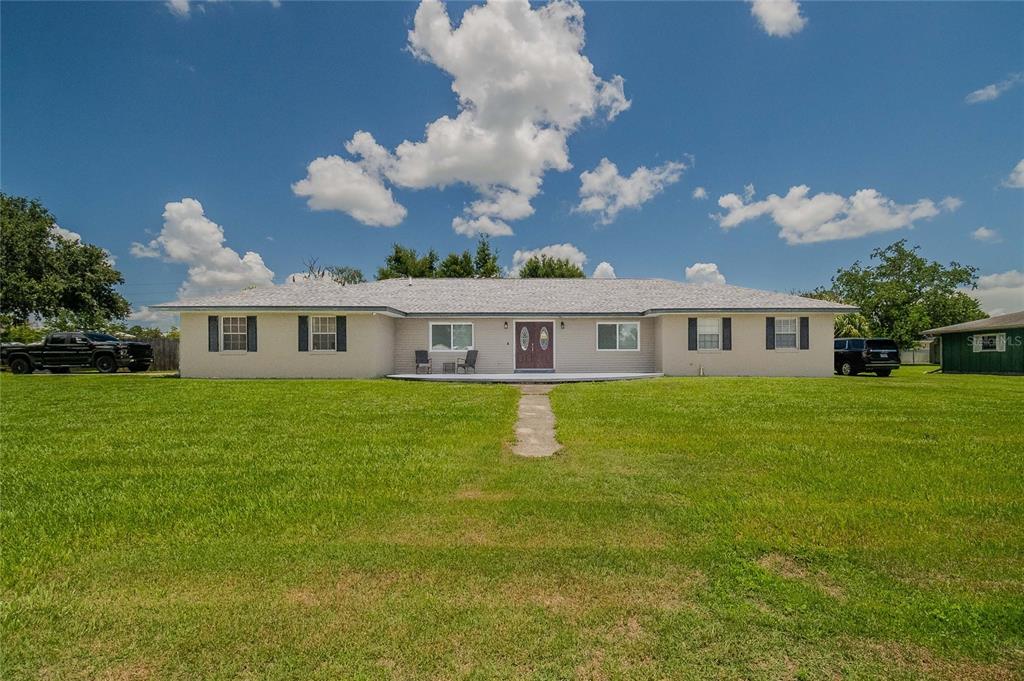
{"x": 324, "y": 329}
{"x": 924, "y": 352}
{"x": 984, "y": 346}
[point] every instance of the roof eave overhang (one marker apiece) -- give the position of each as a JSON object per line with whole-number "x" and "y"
{"x": 392, "y": 312}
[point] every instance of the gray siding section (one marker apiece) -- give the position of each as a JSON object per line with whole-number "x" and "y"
{"x": 490, "y": 338}
{"x": 575, "y": 346}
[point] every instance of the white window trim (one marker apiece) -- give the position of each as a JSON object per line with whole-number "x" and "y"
{"x": 245, "y": 325}
{"x": 796, "y": 346}
{"x": 330, "y": 351}
{"x": 720, "y": 325}
{"x": 597, "y": 337}
{"x": 1000, "y": 342}
{"x": 430, "y": 336}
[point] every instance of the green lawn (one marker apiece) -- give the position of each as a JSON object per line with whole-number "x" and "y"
{"x": 692, "y": 528}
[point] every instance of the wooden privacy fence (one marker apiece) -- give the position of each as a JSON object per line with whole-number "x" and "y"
{"x": 165, "y": 354}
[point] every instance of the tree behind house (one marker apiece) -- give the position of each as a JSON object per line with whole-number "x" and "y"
{"x": 905, "y": 294}
{"x": 543, "y": 267}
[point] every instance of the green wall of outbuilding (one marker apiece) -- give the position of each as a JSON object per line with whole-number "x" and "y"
{"x": 958, "y": 355}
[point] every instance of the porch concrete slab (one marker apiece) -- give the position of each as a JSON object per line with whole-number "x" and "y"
{"x": 528, "y": 378}
{"x": 535, "y": 429}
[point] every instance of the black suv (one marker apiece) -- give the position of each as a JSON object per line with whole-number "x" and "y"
{"x": 855, "y": 355}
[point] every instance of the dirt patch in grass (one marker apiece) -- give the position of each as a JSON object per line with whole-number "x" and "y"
{"x": 917, "y": 659}
{"x": 788, "y": 567}
{"x": 475, "y": 494}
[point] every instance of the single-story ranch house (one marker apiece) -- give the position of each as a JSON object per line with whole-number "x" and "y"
{"x": 325, "y": 329}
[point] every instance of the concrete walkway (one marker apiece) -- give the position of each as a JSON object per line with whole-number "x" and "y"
{"x": 535, "y": 429}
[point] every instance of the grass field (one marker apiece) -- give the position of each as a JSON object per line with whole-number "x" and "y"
{"x": 692, "y": 528}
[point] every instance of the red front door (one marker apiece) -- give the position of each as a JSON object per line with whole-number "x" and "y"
{"x": 535, "y": 345}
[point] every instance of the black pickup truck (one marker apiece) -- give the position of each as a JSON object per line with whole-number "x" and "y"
{"x": 60, "y": 352}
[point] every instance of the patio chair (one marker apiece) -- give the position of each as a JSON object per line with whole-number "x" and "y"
{"x": 468, "y": 363}
{"x": 423, "y": 361}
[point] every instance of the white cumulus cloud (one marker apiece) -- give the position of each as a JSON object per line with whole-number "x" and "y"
{"x": 995, "y": 90}
{"x": 779, "y": 18}
{"x": 145, "y": 316}
{"x": 700, "y": 193}
{"x": 1000, "y": 293}
{"x": 564, "y": 251}
{"x": 189, "y": 237}
{"x": 603, "y": 190}
{"x": 807, "y": 219}
{"x": 178, "y": 7}
{"x": 523, "y": 87}
{"x": 604, "y": 270}
{"x": 57, "y": 230}
{"x": 704, "y": 273}
{"x": 353, "y": 187}
{"x": 1016, "y": 177}
{"x": 986, "y": 234}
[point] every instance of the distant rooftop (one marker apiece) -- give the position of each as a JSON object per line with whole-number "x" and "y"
{"x": 492, "y": 297}
{"x": 1003, "y": 321}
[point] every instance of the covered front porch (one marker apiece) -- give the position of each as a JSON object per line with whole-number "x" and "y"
{"x": 529, "y": 377}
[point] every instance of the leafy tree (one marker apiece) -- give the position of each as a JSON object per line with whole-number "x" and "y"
{"x": 341, "y": 274}
{"x": 405, "y": 262}
{"x": 457, "y": 266}
{"x": 485, "y": 264}
{"x": 45, "y": 275}
{"x": 346, "y": 275}
{"x": 543, "y": 267}
{"x": 851, "y": 325}
{"x": 904, "y": 293}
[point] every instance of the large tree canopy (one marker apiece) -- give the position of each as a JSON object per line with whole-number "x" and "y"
{"x": 905, "y": 294}
{"x": 543, "y": 267}
{"x": 46, "y": 275}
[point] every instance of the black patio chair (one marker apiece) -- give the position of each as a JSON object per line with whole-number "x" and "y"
{"x": 468, "y": 363}
{"x": 423, "y": 361}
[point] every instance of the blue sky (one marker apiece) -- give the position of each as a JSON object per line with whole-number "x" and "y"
{"x": 111, "y": 111}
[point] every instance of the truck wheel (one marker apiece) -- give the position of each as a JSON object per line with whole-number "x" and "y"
{"x": 883, "y": 373}
{"x": 847, "y": 369}
{"x": 20, "y": 365}
{"x": 105, "y": 364}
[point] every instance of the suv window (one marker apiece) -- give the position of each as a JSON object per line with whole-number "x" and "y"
{"x": 79, "y": 339}
{"x": 840, "y": 345}
{"x": 101, "y": 337}
{"x": 881, "y": 344}
{"x": 857, "y": 344}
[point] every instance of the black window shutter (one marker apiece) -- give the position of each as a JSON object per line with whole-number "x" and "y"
{"x": 727, "y": 333}
{"x": 805, "y": 333}
{"x": 769, "y": 333}
{"x": 691, "y": 333}
{"x": 213, "y": 323}
{"x": 250, "y": 334}
{"x": 303, "y": 333}
{"x": 341, "y": 333}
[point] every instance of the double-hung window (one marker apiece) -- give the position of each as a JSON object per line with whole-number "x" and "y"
{"x": 618, "y": 336}
{"x": 323, "y": 332}
{"x": 709, "y": 333}
{"x": 448, "y": 337}
{"x": 989, "y": 342}
{"x": 233, "y": 333}
{"x": 786, "y": 329}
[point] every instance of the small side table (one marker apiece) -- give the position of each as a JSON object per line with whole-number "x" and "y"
{"x": 448, "y": 367}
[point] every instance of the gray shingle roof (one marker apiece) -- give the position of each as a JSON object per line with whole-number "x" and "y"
{"x": 1003, "y": 321}
{"x": 435, "y": 297}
